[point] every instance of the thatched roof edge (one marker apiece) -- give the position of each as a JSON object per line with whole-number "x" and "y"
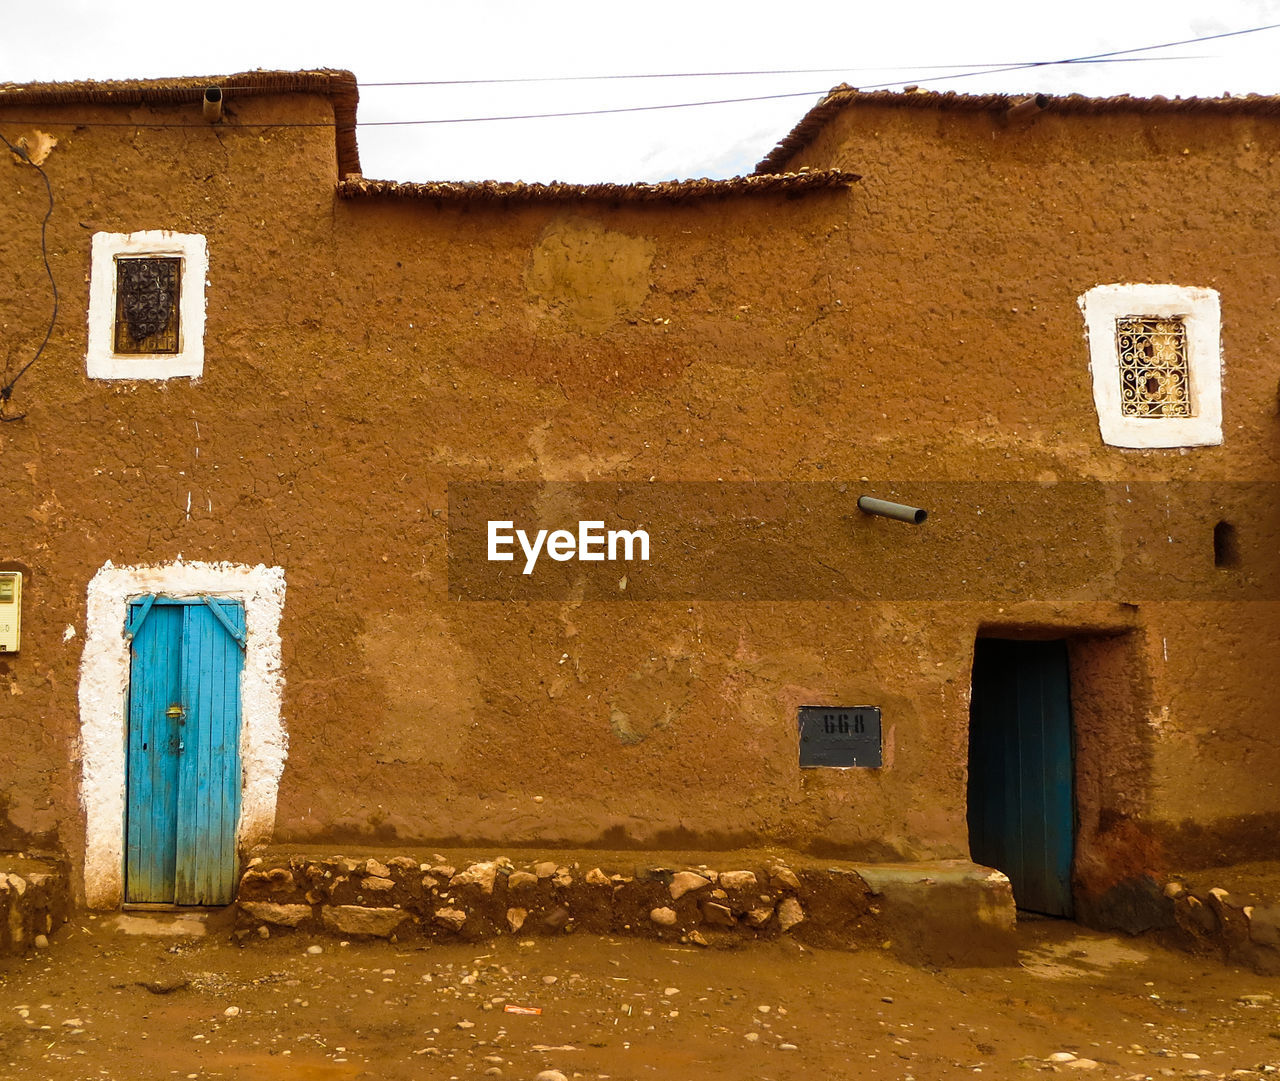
{"x": 338, "y": 86}
{"x": 844, "y": 96}
{"x": 496, "y": 191}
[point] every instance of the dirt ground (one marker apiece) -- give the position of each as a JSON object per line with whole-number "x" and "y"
{"x": 129, "y": 998}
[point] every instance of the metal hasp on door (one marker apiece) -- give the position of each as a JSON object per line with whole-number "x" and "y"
{"x": 184, "y": 750}
{"x": 1021, "y": 776}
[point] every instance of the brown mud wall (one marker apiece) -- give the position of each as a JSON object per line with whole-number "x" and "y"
{"x": 34, "y": 901}
{"x": 363, "y": 355}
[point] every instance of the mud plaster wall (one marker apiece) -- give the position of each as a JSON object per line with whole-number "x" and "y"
{"x": 1117, "y": 198}
{"x": 1216, "y": 778}
{"x": 361, "y": 356}
{"x": 1113, "y": 748}
{"x": 102, "y": 472}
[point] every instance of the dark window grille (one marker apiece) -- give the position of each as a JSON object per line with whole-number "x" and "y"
{"x": 147, "y": 294}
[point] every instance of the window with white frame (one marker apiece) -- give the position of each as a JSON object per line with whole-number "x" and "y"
{"x": 146, "y": 305}
{"x": 1156, "y": 360}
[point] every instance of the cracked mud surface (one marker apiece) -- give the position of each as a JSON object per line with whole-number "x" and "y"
{"x": 103, "y": 1002}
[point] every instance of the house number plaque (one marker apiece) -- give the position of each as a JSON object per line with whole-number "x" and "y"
{"x": 840, "y": 736}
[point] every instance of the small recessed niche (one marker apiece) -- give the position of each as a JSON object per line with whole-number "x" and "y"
{"x": 1226, "y": 545}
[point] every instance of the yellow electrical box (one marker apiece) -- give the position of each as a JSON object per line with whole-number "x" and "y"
{"x": 10, "y": 610}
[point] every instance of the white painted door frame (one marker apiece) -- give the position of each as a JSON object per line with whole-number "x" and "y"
{"x": 104, "y": 692}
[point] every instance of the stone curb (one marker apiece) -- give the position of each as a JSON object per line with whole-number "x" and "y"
{"x": 402, "y": 897}
{"x": 34, "y": 901}
{"x": 1212, "y": 920}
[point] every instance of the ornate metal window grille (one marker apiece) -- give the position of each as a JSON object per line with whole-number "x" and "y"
{"x": 147, "y": 295}
{"x": 1153, "y": 367}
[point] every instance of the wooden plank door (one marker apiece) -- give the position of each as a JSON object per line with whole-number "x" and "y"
{"x": 1021, "y": 774}
{"x": 155, "y": 681}
{"x": 183, "y": 783}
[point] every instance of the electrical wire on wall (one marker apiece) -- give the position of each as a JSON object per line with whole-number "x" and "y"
{"x": 6, "y": 391}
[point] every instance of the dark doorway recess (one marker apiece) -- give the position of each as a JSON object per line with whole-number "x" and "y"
{"x": 1021, "y": 773}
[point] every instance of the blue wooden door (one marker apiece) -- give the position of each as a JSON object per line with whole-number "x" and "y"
{"x": 183, "y": 787}
{"x": 1021, "y": 774}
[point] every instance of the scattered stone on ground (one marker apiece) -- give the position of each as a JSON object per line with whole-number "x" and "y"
{"x": 589, "y": 1007}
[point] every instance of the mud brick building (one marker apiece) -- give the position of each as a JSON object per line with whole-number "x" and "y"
{"x": 249, "y": 491}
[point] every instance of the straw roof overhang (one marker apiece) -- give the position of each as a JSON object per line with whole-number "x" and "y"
{"x": 845, "y": 96}
{"x": 338, "y": 86}
{"x": 493, "y": 191}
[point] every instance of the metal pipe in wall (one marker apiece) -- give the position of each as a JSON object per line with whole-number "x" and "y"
{"x": 213, "y": 104}
{"x": 1028, "y": 107}
{"x": 884, "y": 509}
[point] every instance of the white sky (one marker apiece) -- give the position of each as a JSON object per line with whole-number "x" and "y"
{"x": 390, "y": 40}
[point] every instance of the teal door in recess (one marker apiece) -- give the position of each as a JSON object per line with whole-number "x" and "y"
{"x": 1021, "y": 772}
{"x": 183, "y": 758}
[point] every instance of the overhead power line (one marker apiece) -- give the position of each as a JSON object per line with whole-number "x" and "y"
{"x": 1113, "y": 56}
{"x": 914, "y": 68}
{"x": 1092, "y": 58}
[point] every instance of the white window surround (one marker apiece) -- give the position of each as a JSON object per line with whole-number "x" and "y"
{"x": 101, "y": 361}
{"x": 1200, "y": 312}
{"x": 104, "y": 690}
